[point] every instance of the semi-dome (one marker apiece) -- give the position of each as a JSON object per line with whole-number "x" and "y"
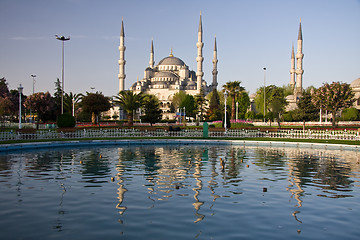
{"x": 171, "y": 60}
{"x": 355, "y": 83}
{"x": 165, "y": 75}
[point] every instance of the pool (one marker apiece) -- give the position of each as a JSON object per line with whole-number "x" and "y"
{"x": 180, "y": 192}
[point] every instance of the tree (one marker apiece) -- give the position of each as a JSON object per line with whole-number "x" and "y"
{"x": 214, "y": 112}
{"x": 42, "y": 104}
{"x": 244, "y": 103}
{"x": 333, "y": 97}
{"x": 274, "y": 100}
{"x": 306, "y": 110}
{"x": 95, "y": 103}
{"x": 233, "y": 88}
{"x": 350, "y": 114}
{"x": 201, "y": 103}
{"x": 129, "y": 102}
{"x": 190, "y": 106}
{"x": 153, "y": 113}
{"x": 178, "y": 98}
{"x": 57, "y": 97}
{"x": 69, "y": 100}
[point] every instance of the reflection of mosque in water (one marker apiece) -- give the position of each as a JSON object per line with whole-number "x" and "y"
{"x": 170, "y": 169}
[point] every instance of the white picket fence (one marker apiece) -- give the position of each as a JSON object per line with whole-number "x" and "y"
{"x": 237, "y": 133}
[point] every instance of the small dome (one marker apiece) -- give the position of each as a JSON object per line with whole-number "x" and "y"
{"x": 148, "y": 69}
{"x": 355, "y": 83}
{"x": 171, "y": 60}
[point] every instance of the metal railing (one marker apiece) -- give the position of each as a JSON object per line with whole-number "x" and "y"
{"x": 188, "y": 133}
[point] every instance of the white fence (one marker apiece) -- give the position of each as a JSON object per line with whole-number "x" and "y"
{"x": 238, "y": 133}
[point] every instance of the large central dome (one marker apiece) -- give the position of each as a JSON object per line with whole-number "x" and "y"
{"x": 171, "y": 60}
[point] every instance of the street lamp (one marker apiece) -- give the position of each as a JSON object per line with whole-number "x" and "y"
{"x": 184, "y": 115}
{"x": 20, "y": 89}
{"x": 63, "y": 39}
{"x": 237, "y": 110}
{"x": 225, "y": 125}
{"x": 33, "y": 77}
{"x": 264, "y": 93}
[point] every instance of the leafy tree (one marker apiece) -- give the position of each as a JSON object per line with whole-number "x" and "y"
{"x": 57, "y": 97}
{"x": 306, "y": 110}
{"x": 201, "y": 103}
{"x": 42, "y": 104}
{"x": 275, "y": 102}
{"x": 333, "y": 97}
{"x": 153, "y": 113}
{"x": 129, "y": 102}
{"x": 190, "y": 105}
{"x": 350, "y": 114}
{"x": 214, "y": 112}
{"x": 244, "y": 103}
{"x": 233, "y": 88}
{"x": 178, "y": 98}
{"x": 95, "y": 103}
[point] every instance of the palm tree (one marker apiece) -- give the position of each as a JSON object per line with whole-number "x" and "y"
{"x": 129, "y": 102}
{"x": 233, "y": 88}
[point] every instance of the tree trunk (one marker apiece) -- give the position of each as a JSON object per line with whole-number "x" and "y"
{"x": 233, "y": 108}
{"x": 93, "y": 118}
{"x": 130, "y": 119}
{"x": 333, "y": 122}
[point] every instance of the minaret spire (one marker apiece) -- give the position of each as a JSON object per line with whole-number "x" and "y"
{"x": 122, "y": 61}
{"x": 199, "y": 58}
{"x": 151, "y": 62}
{"x": 299, "y": 63}
{"x": 215, "y": 72}
{"x": 292, "y": 68}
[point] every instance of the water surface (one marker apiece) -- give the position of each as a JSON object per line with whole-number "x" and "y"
{"x": 180, "y": 192}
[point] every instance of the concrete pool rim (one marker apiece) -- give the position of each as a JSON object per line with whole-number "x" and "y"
{"x": 128, "y": 142}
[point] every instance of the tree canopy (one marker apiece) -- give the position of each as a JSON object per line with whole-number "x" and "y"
{"x": 333, "y": 97}
{"x": 129, "y": 102}
{"x": 95, "y": 103}
{"x": 153, "y": 113}
{"x": 233, "y": 88}
{"x": 41, "y": 103}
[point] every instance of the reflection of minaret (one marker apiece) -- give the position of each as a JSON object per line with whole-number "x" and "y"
{"x": 299, "y": 68}
{"x": 121, "y": 189}
{"x": 295, "y": 192}
{"x": 199, "y": 58}
{"x": 122, "y": 61}
{"x": 215, "y": 71}
{"x": 197, "y": 204}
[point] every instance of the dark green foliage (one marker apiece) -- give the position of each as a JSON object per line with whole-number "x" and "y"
{"x": 214, "y": 112}
{"x": 306, "y": 109}
{"x": 66, "y": 120}
{"x": 350, "y": 114}
{"x": 153, "y": 113}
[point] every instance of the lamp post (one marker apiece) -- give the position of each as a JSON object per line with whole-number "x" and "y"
{"x": 184, "y": 115}
{"x": 237, "y": 110}
{"x": 20, "y": 89}
{"x": 264, "y": 93}
{"x": 63, "y": 39}
{"x": 33, "y": 77}
{"x": 225, "y": 125}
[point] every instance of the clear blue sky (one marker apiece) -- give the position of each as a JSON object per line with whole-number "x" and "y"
{"x": 251, "y": 34}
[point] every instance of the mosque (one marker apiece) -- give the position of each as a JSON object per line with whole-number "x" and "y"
{"x": 170, "y": 76}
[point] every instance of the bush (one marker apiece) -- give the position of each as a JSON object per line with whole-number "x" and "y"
{"x": 66, "y": 120}
{"x": 350, "y": 114}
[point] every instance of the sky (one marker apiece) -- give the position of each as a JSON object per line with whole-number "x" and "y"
{"x": 250, "y": 34}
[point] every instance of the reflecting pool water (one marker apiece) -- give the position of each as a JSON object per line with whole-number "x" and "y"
{"x": 180, "y": 192}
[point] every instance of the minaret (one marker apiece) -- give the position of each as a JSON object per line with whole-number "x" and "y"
{"x": 299, "y": 68}
{"x": 215, "y": 71}
{"x": 292, "y": 69}
{"x": 151, "y": 62}
{"x": 199, "y": 58}
{"x": 122, "y": 61}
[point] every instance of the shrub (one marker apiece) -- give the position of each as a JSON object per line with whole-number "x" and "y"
{"x": 350, "y": 114}
{"x": 65, "y": 120}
